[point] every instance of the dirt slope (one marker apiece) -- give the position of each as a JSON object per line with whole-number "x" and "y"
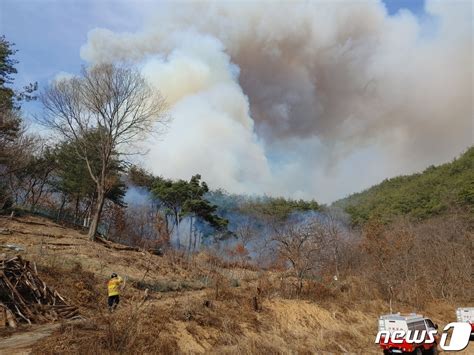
{"x": 193, "y": 305}
{"x": 22, "y": 342}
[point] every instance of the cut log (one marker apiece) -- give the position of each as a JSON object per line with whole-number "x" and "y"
{"x": 27, "y": 298}
{"x": 3, "y": 317}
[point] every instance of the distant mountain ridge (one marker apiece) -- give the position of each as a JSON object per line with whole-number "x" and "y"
{"x": 422, "y": 195}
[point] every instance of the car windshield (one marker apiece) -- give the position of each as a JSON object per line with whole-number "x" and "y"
{"x": 419, "y": 325}
{"x": 430, "y": 324}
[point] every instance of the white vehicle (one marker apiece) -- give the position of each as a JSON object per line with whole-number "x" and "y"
{"x": 407, "y": 323}
{"x": 466, "y": 315}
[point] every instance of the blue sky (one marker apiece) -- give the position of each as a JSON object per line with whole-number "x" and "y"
{"x": 49, "y": 33}
{"x": 415, "y": 6}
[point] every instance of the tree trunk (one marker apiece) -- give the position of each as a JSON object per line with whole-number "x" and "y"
{"x": 96, "y": 215}
{"x": 195, "y": 240}
{"x": 177, "y": 231}
{"x": 88, "y": 212}
{"x": 336, "y": 261}
{"x": 190, "y": 234}
{"x": 76, "y": 209}
{"x": 300, "y": 285}
{"x": 63, "y": 203}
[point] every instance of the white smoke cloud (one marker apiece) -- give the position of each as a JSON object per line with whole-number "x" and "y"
{"x": 211, "y": 131}
{"x": 303, "y": 99}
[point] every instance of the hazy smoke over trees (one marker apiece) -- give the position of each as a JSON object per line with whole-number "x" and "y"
{"x": 313, "y": 99}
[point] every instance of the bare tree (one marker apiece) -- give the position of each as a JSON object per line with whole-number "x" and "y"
{"x": 110, "y": 102}
{"x": 246, "y": 231}
{"x": 299, "y": 244}
{"x": 331, "y": 226}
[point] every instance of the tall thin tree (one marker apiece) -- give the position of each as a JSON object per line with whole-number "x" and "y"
{"x": 114, "y": 102}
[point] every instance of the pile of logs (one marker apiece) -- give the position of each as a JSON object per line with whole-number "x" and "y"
{"x": 24, "y": 297}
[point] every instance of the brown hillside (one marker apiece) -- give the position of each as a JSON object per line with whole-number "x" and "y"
{"x": 194, "y": 304}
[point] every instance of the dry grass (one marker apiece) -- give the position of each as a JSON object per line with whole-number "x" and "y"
{"x": 198, "y": 305}
{"x": 206, "y": 322}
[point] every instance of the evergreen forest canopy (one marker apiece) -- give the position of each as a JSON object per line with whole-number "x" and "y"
{"x": 430, "y": 193}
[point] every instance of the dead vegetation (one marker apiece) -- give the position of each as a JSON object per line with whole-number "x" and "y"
{"x": 25, "y": 297}
{"x": 203, "y": 304}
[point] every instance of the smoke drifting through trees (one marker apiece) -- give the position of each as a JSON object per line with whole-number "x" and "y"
{"x": 279, "y": 93}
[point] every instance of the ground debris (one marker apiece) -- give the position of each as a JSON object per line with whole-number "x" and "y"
{"x": 12, "y": 247}
{"x": 27, "y": 298}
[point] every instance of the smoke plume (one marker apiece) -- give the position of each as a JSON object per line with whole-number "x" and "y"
{"x": 302, "y": 99}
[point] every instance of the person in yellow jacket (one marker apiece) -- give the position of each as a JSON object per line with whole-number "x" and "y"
{"x": 113, "y": 287}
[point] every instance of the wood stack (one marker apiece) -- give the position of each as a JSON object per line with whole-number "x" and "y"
{"x": 24, "y": 297}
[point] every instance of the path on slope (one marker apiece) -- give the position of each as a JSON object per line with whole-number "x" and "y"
{"x": 22, "y": 343}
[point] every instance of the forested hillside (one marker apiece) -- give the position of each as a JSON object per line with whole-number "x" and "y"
{"x": 419, "y": 196}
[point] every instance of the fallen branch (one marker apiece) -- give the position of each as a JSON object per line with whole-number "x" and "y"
{"x": 27, "y": 298}
{"x": 109, "y": 245}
